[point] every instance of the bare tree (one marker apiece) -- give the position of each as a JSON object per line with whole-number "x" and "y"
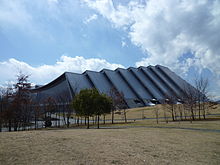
{"x": 201, "y": 94}
{"x": 165, "y": 112}
{"x": 113, "y": 94}
{"x": 7, "y": 111}
{"x": 118, "y": 102}
{"x": 21, "y": 101}
{"x": 49, "y": 110}
{"x": 170, "y": 105}
{"x": 180, "y": 108}
{"x": 190, "y": 99}
{"x": 63, "y": 101}
{"x": 157, "y": 114}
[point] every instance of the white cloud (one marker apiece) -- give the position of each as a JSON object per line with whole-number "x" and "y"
{"x": 167, "y": 30}
{"x": 46, "y": 73}
{"x": 91, "y": 18}
{"x": 117, "y": 14}
{"x": 20, "y": 16}
{"x": 14, "y": 14}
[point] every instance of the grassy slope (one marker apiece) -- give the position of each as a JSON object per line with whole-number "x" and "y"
{"x": 149, "y": 112}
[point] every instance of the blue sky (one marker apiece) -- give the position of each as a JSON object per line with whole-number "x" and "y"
{"x": 45, "y": 38}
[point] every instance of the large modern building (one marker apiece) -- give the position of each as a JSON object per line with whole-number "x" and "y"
{"x": 141, "y": 86}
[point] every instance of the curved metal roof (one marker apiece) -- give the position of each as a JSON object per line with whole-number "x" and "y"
{"x": 139, "y": 85}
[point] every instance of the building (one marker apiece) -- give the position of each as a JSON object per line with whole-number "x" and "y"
{"x": 141, "y": 86}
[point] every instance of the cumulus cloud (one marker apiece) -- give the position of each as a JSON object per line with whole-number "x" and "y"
{"x": 119, "y": 15}
{"x": 168, "y": 30}
{"x": 178, "y": 34}
{"x": 46, "y": 73}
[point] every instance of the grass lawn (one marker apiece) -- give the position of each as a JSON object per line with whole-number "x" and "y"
{"x": 137, "y": 145}
{"x": 137, "y": 142}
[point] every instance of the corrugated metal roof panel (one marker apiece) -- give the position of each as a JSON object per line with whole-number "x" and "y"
{"x": 153, "y": 81}
{"x": 165, "y": 82}
{"x": 100, "y": 81}
{"x": 180, "y": 84}
{"x": 147, "y": 83}
{"x": 56, "y": 92}
{"x": 120, "y": 84}
{"x": 135, "y": 84}
{"x": 78, "y": 81}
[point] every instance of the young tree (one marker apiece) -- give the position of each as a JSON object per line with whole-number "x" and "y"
{"x": 170, "y": 103}
{"x": 164, "y": 106}
{"x": 89, "y": 102}
{"x": 84, "y": 103}
{"x": 103, "y": 105}
{"x": 118, "y": 102}
{"x": 201, "y": 85}
{"x": 189, "y": 99}
{"x": 157, "y": 114}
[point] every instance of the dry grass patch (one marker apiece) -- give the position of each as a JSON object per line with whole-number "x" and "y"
{"x": 149, "y": 112}
{"x": 110, "y": 146}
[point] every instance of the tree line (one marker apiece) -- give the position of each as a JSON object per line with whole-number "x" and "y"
{"x": 193, "y": 105}
{"x": 18, "y": 110}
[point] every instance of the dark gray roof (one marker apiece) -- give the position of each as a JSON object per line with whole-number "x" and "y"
{"x": 139, "y": 85}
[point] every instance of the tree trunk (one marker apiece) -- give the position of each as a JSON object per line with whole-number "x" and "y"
{"x": 125, "y": 116}
{"x": 68, "y": 122}
{"x": 35, "y": 118}
{"x": 185, "y": 113}
{"x": 88, "y": 122}
{"x": 192, "y": 114}
{"x": 199, "y": 111}
{"x": 9, "y": 125}
{"x": 203, "y": 108}
{"x": 77, "y": 120}
{"x": 104, "y": 119}
{"x": 64, "y": 115}
{"x": 0, "y": 124}
{"x": 112, "y": 116}
{"x": 15, "y": 125}
{"x": 98, "y": 121}
{"x": 181, "y": 113}
{"x": 157, "y": 116}
{"x": 173, "y": 113}
{"x": 59, "y": 117}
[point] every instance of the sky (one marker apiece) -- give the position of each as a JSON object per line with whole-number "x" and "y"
{"x": 45, "y": 38}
